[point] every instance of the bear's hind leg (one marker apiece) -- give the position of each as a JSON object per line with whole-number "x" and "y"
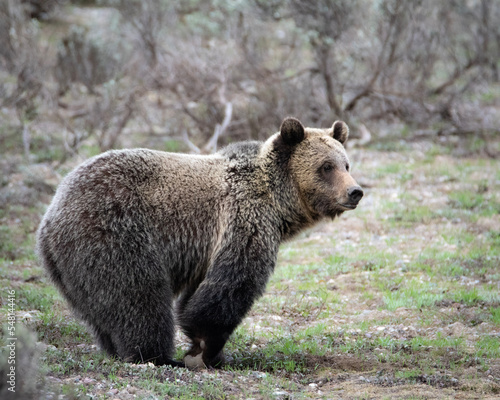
{"x": 105, "y": 342}
{"x": 146, "y": 331}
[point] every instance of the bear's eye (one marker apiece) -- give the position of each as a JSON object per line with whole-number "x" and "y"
{"x": 327, "y": 167}
{"x": 347, "y": 167}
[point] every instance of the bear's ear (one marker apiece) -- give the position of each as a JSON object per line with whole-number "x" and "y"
{"x": 292, "y": 131}
{"x": 340, "y": 131}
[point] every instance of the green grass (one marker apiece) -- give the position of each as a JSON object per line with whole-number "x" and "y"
{"x": 388, "y": 169}
{"x": 488, "y": 348}
{"x": 408, "y": 216}
{"x": 469, "y": 297}
{"x": 34, "y": 297}
{"x": 61, "y": 331}
{"x": 285, "y": 355}
{"x": 413, "y": 296}
{"x": 495, "y": 315}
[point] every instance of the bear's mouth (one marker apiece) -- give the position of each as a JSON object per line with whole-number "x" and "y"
{"x": 348, "y": 206}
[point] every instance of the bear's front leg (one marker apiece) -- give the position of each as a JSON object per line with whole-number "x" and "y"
{"x": 223, "y": 299}
{"x": 208, "y": 325}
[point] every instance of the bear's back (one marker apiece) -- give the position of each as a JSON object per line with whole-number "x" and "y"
{"x": 151, "y": 180}
{"x": 138, "y": 200}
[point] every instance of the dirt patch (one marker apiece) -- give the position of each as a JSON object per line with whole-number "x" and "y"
{"x": 340, "y": 362}
{"x": 357, "y": 390}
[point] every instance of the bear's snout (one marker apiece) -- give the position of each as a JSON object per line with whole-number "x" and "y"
{"x": 355, "y": 193}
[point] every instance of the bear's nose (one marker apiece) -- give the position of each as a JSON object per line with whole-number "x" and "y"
{"x": 355, "y": 193}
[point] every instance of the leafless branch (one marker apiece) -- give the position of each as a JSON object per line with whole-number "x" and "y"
{"x": 211, "y": 146}
{"x": 192, "y": 147}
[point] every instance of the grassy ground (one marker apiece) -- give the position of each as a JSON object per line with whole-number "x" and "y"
{"x": 397, "y": 299}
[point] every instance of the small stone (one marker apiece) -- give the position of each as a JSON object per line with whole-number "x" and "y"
{"x": 457, "y": 329}
{"x": 132, "y": 389}
{"x": 258, "y": 374}
{"x": 27, "y": 316}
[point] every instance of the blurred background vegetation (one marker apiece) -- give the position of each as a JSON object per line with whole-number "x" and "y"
{"x": 191, "y": 75}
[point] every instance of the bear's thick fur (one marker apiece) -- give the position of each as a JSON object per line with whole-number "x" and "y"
{"x": 129, "y": 231}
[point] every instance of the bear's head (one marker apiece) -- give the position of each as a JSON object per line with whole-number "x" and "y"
{"x": 319, "y": 167}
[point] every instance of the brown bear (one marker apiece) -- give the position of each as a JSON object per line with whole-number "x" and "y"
{"x": 130, "y": 231}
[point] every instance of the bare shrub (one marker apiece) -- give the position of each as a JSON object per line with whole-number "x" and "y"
{"x": 412, "y": 61}
{"x": 97, "y": 97}
{"x": 208, "y": 73}
{"x": 20, "y": 54}
{"x": 193, "y": 74}
{"x": 40, "y": 9}
{"x": 111, "y": 112}
{"x": 149, "y": 21}
{"x": 22, "y": 60}
{"x": 199, "y": 79}
{"x": 102, "y": 116}
{"x": 81, "y": 59}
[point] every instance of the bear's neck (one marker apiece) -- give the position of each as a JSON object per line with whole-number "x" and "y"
{"x": 293, "y": 214}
